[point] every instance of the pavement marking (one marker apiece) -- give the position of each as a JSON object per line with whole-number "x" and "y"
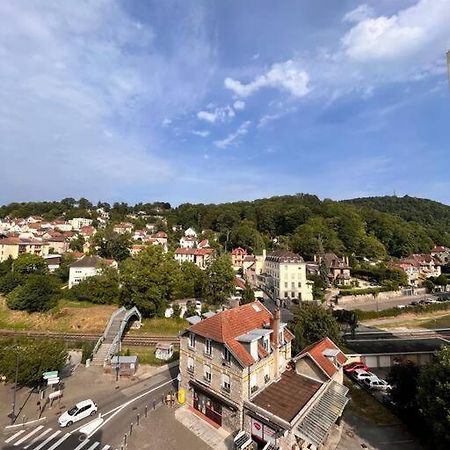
{"x": 14, "y": 436}
{"x": 94, "y": 445}
{"x": 58, "y": 443}
{"x": 82, "y": 444}
{"x": 106, "y": 447}
{"x": 38, "y": 437}
{"x": 48, "y": 440}
{"x": 29, "y": 435}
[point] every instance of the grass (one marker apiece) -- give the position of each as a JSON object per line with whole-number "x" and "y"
{"x": 161, "y": 327}
{"x": 67, "y": 317}
{"x": 362, "y": 404}
{"x": 429, "y": 321}
{"x": 146, "y": 355}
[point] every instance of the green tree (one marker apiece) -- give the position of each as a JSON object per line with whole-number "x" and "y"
{"x": 109, "y": 244}
{"x": 403, "y": 378}
{"x": 311, "y": 323}
{"x": 27, "y": 263}
{"x": 100, "y": 289}
{"x": 37, "y": 293}
{"x": 246, "y": 235}
{"x": 149, "y": 281}
{"x": 62, "y": 272}
{"x": 77, "y": 244}
{"x": 6, "y": 266}
{"x": 248, "y": 295}
{"x": 10, "y": 281}
{"x": 433, "y": 397}
{"x": 192, "y": 281}
{"x": 35, "y": 358}
{"x": 176, "y": 308}
{"x": 219, "y": 285}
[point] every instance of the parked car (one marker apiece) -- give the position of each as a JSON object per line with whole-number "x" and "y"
{"x": 378, "y": 384}
{"x": 401, "y": 306}
{"x": 360, "y": 375}
{"x": 80, "y": 411}
{"x": 430, "y": 301}
{"x": 349, "y": 368}
{"x": 414, "y": 303}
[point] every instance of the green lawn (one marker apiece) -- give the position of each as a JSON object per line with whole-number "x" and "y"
{"x": 146, "y": 355}
{"x": 161, "y": 326}
{"x": 439, "y": 322}
{"x": 362, "y": 404}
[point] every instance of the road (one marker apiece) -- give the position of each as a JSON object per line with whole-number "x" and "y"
{"x": 107, "y": 431}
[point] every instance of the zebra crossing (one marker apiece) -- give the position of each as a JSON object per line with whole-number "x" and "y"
{"x": 41, "y": 438}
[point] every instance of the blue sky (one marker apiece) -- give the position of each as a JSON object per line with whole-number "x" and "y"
{"x": 210, "y": 101}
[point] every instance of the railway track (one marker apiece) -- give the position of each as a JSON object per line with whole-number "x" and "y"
{"x": 145, "y": 340}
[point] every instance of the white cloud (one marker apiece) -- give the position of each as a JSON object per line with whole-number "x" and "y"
{"x": 201, "y": 133}
{"x": 361, "y": 12}
{"x": 239, "y": 105}
{"x": 413, "y": 35}
{"x": 231, "y": 138}
{"x": 166, "y": 122}
{"x": 216, "y": 114}
{"x": 288, "y": 76}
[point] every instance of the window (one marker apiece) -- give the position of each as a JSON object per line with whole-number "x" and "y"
{"x": 192, "y": 340}
{"x": 266, "y": 343}
{"x": 285, "y": 284}
{"x": 299, "y": 284}
{"x": 208, "y": 347}
{"x": 226, "y": 355}
{"x": 253, "y": 383}
{"x": 207, "y": 373}
{"x": 190, "y": 364}
{"x": 293, "y": 285}
{"x": 226, "y": 384}
{"x": 266, "y": 374}
{"x": 285, "y": 294}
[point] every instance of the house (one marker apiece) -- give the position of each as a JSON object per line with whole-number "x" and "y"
{"x": 164, "y": 350}
{"x": 58, "y": 242}
{"x": 123, "y": 227}
{"x": 338, "y": 268}
{"x": 425, "y": 265}
{"x": 15, "y": 246}
{"x": 284, "y": 277}
{"x": 53, "y": 261}
{"x": 441, "y": 254}
{"x": 87, "y": 231}
{"x": 411, "y": 270}
{"x": 79, "y": 222}
{"x": 188, "y": 242}
{"x": 87, "y": 266}
{"x": 199, "y": 256}
{"x": 161, "y": 238}
{"x": 203, "y": 244}
{"x": 236, "y": 370}
{"x": 237, "y": 257}
{"x": 190, "y": 232}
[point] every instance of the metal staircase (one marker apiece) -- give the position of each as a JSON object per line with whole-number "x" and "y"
{"x": 109, "y": 342}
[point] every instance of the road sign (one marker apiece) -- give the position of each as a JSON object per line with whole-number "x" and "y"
{"x": 52, "y": 374}
{"x": 55, "y": 394}
{"x": 54, "y": 380}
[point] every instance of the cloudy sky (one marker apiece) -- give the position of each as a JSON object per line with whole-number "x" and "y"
{"x": 222, "y": 100}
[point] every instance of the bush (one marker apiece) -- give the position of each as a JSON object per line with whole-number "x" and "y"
{"x": 100, "y": 289}
{"x": 10, "y": 281}
{"x": 38, "y": 293}
{"x": 86, "y": 351}
{"x": 366, "y": 291}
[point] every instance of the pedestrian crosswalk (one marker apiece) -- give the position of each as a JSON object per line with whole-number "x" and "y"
{"x": 41, "y": 438}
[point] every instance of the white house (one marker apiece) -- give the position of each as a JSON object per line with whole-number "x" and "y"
{"x": 199, "y": 256}
{"x": 188, "y": 242}
{"x": 190, "y": 232}
{"x": 87, "y": 266}
{"x": 79, "y": 222}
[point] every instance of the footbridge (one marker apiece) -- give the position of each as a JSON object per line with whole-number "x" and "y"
{"x": 109, "y": 342}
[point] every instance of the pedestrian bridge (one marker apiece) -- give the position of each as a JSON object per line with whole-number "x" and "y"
{"x": 109, "y": 342}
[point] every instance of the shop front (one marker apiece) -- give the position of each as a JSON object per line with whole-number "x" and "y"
{"x": 208, "y": 407}
{"x": 262, "y": 434}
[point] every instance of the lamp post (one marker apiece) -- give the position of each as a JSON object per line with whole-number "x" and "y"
{"x": 13, "y": 411}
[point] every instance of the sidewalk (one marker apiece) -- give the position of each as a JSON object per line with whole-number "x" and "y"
{"x": 216, "y": 438}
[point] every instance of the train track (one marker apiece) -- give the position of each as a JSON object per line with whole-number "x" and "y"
{"x": 413, "y": 334}
{"x": 132, "y": 340}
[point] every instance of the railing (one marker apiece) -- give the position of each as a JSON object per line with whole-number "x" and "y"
{"x": 103, "y": 336}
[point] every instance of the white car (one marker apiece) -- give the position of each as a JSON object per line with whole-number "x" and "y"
{"x": 360, "y": 375}
{"x": 379, "y": 384}
{"x": 80, "y": 411}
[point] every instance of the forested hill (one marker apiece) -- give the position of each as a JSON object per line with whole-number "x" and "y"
{"x": 411, "y": 209}
{"x": 371, "y": 227}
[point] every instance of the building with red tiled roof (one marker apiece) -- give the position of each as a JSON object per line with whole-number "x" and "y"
{"x": 236, "y": 370}
{"x": 15, "y": 246}
{"x": 237, "y": 257}
{"x": 199, "y": 256}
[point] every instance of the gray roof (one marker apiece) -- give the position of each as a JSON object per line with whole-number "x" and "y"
{"x": 283, "y": 256}
{"x": 193, "y": 319}
{"x": 124, "y": 359}
{"x": 317, "y": 422}
{"x": 87, "y": 261}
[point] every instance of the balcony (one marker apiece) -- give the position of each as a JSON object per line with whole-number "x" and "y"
{"x": 254, "y": 389}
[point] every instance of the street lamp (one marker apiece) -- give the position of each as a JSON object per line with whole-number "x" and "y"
{"x": 13, "y": 411}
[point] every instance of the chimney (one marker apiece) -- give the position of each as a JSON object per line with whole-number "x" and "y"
{"x": 275, "y": 322}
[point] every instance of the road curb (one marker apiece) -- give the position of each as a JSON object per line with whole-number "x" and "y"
{"x": 25, "y": 425}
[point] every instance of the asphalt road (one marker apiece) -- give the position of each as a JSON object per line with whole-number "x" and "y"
{"x": 107, "y": 432}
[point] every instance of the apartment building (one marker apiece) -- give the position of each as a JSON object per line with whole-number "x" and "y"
{"x": 87, "y": 266}
{"x": 15, "y": 246}
{"x": 284, "y": 277}
{"x": 236, "y": 371}
{"x": 199, "y": 256}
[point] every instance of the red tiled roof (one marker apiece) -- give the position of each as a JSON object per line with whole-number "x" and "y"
{"x": 203, "y": 243}
{"x": 160, "y": 234}
{"x": 225, "y": 326}
{"x": 315, "y": 351}
{"x": 238, "y": 282}
{"x": 439, "y": 249}
{"x": 238, "y": 251}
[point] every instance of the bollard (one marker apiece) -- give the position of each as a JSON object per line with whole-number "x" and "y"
{"x": 154, "y": 404}
{"x": 125, "y": 437}
{"x": 131, "y": 428}
{"x": 146, "y": 411}
{"x": 137, "y": 419}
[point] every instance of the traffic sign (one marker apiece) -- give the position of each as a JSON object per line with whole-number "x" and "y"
{"x": 54, "y": 380}
{"x": 52, "y": 374}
